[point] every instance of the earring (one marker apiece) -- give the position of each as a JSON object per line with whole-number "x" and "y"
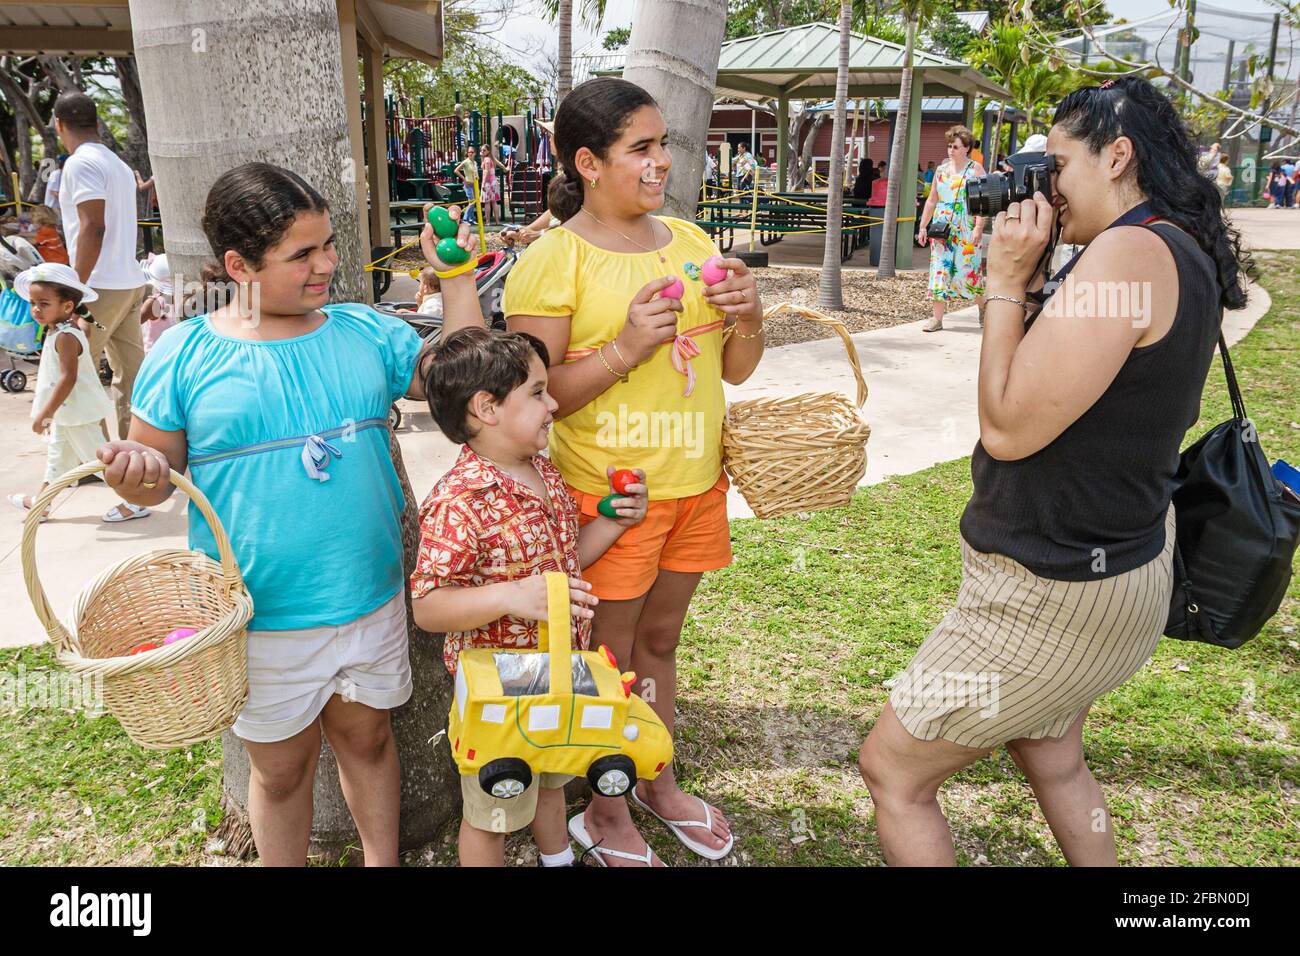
{"x": 593, "y": 184}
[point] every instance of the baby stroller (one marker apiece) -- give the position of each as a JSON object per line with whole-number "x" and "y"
{"x": 489, "y": 280}
{"x": 20, "y": 335}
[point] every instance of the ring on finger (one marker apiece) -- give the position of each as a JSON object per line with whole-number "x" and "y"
{"x": 149, "y": 484}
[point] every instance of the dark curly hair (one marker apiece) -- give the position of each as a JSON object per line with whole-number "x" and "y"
{"x": 1166, "y": 167}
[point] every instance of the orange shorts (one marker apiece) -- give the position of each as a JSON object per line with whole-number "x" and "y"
{"x": 678, "y": 534}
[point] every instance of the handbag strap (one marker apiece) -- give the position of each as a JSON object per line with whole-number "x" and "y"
{"x": 1234, "y": 390}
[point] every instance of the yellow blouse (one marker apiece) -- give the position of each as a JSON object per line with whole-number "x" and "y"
{"x": 667, "y": 418}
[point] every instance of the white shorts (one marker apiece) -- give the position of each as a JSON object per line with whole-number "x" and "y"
{"x": 293, "y": 674}
{"x": 70, "y": 446}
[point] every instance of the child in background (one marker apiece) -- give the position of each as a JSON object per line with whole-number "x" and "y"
{"x": 70, "y": 403}
{"x": 489, "y": 530}
{"x": 158, "y": 310}
{"x": 46, "y": 236}
{"x": 428, "y": 299}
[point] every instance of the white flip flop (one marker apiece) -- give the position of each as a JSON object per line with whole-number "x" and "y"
{"x": 20, "y": 502}
{"x": 578, "y": 830}
{"x": 114, "y": 514}
{"x": 677, "y": 826}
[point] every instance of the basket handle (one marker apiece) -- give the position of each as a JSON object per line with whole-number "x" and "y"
{"x": 838, "y": 326}
{"x": 557, "y": 626}
{"x": 59, "y": 635}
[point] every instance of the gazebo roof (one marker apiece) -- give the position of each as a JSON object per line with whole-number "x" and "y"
{"x": 801, "y": 63}
{"x": 401, "y": 28}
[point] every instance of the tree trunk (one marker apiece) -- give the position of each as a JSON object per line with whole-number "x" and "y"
{"x": 226, "y": 82}
{"x": 889, "y": 241}
{"x": 26, "y": 170}
{"x": 678, "y": 67}
{"x": 23, "y": 104}
{"x": 805, "y": 153}
{"x": 830, "y": 294}
{"x": 564, "y": 24}
{"x": 136, "y": 152}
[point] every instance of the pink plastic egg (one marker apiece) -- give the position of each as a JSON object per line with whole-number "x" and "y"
{"x": 180, "y": 634}
{"x": 673, "y": 291}
{"x": 713, "y": 271}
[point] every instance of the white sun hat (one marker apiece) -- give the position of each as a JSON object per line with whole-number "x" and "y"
{"x": 158, "y": 273}
{"x": 54, "y": 272}
{"x": 1034, "y": 144}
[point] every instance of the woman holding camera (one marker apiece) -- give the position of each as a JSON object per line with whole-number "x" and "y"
{"x": 956, "y": 269}
{"x": 1067, "y": 541}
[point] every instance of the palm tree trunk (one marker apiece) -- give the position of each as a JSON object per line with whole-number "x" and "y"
{"x": 830, "y": 293}
{"x": 678, "y": 67}
{"x": 889, "y": 241}
{"x": 219, "y": 91}
{"x": 564, "y": 25}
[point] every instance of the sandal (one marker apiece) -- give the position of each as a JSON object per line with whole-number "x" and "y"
{"x": 679, "y": 826}
{"x": 21, "y": 502}
{"x": 578, "y": 830}
{"x": 125, "y": 512}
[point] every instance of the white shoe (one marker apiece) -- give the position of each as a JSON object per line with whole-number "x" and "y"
{"x": 20, "y": 502}
{"x": 125, "y": 512}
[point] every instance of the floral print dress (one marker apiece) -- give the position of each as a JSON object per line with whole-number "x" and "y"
{"x": 956, "y": 263}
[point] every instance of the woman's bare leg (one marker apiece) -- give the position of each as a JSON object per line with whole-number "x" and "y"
{"x": 1072, "y": 801}
{"x": 904, "y": 775}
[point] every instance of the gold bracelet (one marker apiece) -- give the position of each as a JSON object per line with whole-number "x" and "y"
{"x": 626, "y": 364}
{"x": 735, "y": 330}
{"x": 600, "y": 354}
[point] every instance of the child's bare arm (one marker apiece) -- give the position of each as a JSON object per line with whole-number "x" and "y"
{"x": 463, "y": 608}
{"x": 68, "y": 349}
{"x": 598, "y": 536}
{"x": 595, "y": 538}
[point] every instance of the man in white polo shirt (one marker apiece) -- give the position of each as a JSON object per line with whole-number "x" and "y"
{"x": 97, "y": 203}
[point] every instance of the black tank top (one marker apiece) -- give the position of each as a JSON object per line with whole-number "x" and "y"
{"x": 1092, "y": 504}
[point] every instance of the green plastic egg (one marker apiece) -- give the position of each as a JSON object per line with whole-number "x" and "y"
{"x": 451, "y": 253}
{"x": 606, "y": 506}
{"x": 443, "y": 225}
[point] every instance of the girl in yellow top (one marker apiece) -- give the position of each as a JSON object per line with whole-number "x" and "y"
{"x": 638, "y": 373}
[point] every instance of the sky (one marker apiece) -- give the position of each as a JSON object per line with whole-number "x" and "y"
{"x": 527, "y": 29}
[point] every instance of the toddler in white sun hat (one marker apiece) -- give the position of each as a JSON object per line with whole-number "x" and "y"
{"x": 70, "y": 404}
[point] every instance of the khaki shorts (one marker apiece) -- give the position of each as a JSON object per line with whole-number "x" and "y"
{"x": 485, "y": 812}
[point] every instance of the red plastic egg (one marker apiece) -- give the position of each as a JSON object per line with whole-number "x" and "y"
{"x": 622, "y": 478}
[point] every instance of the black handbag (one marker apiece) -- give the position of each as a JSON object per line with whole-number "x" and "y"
{"x": 1238, "y": 527}
{"x": 938, "y": 230}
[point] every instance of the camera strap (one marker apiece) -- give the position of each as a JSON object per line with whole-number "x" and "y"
{"x": 1141, "y": 214}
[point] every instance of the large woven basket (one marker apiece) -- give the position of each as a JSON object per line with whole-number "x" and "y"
{"x": 802, "y": 453}
{"x": 180, "y": 694}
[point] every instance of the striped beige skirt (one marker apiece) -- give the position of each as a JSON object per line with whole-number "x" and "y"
{"x": 1023, "y": 656}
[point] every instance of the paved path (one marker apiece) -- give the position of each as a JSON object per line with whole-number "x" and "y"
{"x": 921, "y": 409}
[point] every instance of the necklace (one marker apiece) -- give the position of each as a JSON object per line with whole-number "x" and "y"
{"x": 627, "y": 237}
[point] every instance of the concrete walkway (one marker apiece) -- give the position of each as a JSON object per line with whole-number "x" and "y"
{"x": 921, "y": 408}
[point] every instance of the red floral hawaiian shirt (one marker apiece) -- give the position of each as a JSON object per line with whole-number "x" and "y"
{"x": 480, "y": 526}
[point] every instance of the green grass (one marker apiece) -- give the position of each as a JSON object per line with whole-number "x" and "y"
{"x": 781, "y": 674}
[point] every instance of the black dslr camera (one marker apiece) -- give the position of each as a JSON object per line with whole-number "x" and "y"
{"x": 1030, "y": 173}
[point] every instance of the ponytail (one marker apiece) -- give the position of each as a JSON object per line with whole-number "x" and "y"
{"x": 564, "y": 196}
{"x": 215, "y": 284}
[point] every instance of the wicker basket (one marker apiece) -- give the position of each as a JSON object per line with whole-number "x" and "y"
{"x": 181, "y": 693}
{"x": 801, "y": 453}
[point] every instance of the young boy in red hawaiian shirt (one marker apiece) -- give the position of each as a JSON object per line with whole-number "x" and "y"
{"x": 490, "y": 528}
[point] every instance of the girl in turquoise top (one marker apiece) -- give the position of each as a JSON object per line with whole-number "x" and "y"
{"x": 277, "y": 402}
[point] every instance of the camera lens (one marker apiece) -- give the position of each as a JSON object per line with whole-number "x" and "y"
{"x": 988, "y": 195}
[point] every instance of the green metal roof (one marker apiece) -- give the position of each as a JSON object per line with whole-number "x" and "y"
{"x": 801, "y": 62}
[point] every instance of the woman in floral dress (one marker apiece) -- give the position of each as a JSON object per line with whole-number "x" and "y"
{"x": 956, "y": 263}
